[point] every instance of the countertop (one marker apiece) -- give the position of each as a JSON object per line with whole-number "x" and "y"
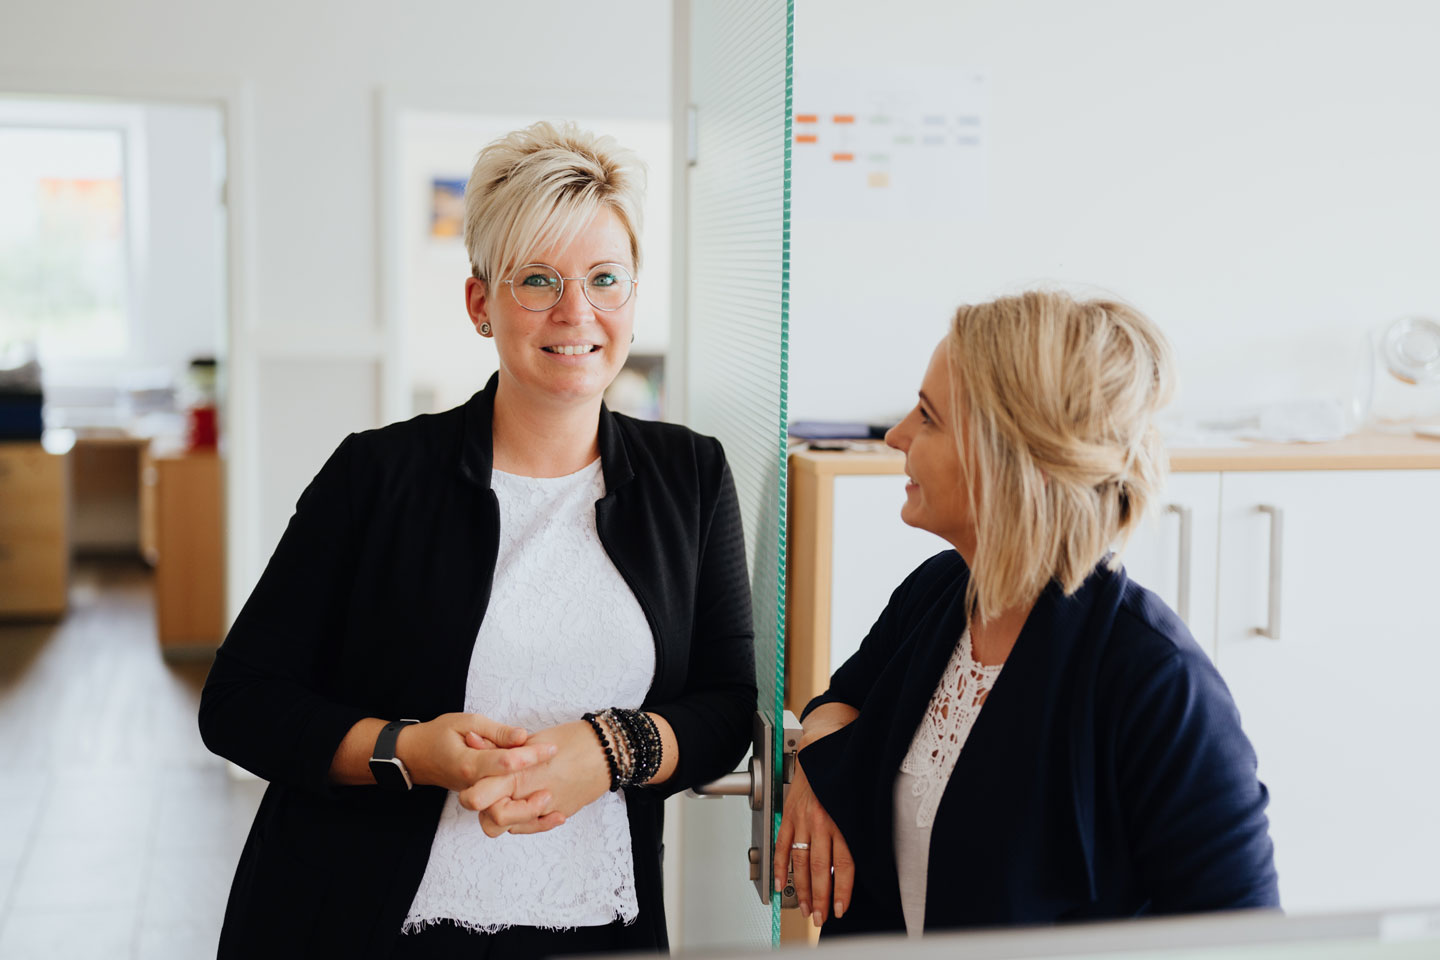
{"x": 1361, "y": 451}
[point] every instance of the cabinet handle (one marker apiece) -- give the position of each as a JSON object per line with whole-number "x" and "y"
{"x": 1182, "y": 592}
{"x": 1277, "y": 542}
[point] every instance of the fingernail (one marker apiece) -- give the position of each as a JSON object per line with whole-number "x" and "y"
{"x": 805, "y": 910}
{"x": 839, "y": 909}
{"x": 551, "y": 750}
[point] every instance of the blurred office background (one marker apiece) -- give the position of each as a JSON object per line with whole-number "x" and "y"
{"x": 227, "y": 239}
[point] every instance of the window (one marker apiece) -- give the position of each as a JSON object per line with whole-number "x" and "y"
{"x": 64, "y": 262}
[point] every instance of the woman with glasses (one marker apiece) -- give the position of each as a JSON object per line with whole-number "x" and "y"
{"x": 493, "y": 640}
{"x": 1027, "y": 736}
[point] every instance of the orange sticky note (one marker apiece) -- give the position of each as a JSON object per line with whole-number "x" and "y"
{"x": 844, "y": 118}
{"x": 843, "y": 157}
{"x": 807, "y": 118}
{"x": 806, "y": 138}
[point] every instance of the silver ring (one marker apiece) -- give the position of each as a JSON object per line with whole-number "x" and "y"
{"x": 799, "y": 846}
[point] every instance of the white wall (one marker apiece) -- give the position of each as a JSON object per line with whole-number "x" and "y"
{"x": 184, "y": 300}
{"x": 447, "y": 361}
{"x": 1258, "y": 176}
{"x": 313, "y": 71}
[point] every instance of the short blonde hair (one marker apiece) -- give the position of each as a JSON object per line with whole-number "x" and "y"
{"x": 539, "y": 186}
{"x": 1054, "y": 404}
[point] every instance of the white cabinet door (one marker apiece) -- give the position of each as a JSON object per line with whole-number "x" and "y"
{"x": 1342, "y": 704}
{"x": 874, "y": 550}
{"x": 1173, "y": 553}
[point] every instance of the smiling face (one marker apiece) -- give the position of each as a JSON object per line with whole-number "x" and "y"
{"x": 568, "y": 354}
{"x": 936, "y": 498}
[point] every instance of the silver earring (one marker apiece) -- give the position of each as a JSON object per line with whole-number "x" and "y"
{"x": 485, "y": 329}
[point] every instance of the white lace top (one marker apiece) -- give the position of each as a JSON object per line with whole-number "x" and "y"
{"x": 563, "y": 635}
{"x": 926, "y": 770}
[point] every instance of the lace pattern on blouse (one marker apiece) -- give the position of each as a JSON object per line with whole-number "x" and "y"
{"x": 945, "y": 727}
{"x": 563, "y": 634}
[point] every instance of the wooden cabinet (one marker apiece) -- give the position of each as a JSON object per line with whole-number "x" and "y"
{"x": 1340, "y": 704}
{"x": 846, "y": 552}
{"x": 34, "y": 531}
{"x": 182, "y": 527}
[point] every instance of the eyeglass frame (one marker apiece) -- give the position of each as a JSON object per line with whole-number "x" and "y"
{"x": 584, "y": 287}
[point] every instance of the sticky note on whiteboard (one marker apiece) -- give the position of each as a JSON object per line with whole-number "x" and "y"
{"x": 893, "y": 143}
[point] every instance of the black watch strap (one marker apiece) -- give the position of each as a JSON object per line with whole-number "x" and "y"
{"x": 387, "y": 769}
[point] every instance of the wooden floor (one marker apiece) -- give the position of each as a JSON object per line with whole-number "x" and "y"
{"x": 119, "y": 833}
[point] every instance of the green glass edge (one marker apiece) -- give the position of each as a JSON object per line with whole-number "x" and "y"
{"x": 779, "y": 706}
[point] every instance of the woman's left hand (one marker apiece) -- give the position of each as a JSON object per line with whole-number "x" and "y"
{"x": 575, "y": 777}
{"x": 811, "y": 842}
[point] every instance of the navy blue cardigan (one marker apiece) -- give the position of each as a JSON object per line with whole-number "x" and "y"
{"x": 1106, "y": 776}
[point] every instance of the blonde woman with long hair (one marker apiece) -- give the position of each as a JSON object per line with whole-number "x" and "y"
{"x": 493, "y": 640}
{"x": 1026, "y": 735}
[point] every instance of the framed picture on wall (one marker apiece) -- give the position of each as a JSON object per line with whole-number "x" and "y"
{"x": 447, "y": 207}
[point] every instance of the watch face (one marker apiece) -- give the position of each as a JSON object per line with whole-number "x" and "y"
{"x": 390, "y": 774}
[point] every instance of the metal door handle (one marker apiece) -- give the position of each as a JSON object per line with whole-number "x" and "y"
{"x": 1182, "y": 592}
{"x": 749, "y": 782}
{"x": 765, "y": 795}
{"x": 1277, "y": 542}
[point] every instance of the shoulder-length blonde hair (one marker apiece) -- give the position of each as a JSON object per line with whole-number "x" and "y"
{"x": 539, "y": 186}
{"x": 1053, "y": 402}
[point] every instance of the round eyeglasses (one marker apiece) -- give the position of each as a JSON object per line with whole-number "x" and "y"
{"x": 538, "y": 286}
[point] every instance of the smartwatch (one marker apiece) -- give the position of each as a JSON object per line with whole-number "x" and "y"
{"x": 388, "y": 770}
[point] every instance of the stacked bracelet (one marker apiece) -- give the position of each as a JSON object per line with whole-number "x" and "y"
{"x": 642, "y": 742}
{"x": 633, "y": 749}
{"x": 610, "y": 760}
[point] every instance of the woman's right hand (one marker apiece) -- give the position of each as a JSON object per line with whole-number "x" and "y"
{"x": 435, "y": 752}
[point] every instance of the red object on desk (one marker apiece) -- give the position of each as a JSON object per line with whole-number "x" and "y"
{"x": 202, "y": 431}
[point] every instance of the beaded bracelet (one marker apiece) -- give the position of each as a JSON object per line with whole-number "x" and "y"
{"x": 624, "y": 755}
{"x": 632, "y": 744}
{"x": 642, "y": 743}
{"x": 648, "y": 735}
{"x": 594, "y": 722}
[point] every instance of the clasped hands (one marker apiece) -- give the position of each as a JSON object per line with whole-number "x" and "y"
{"x": 515, "y": 781}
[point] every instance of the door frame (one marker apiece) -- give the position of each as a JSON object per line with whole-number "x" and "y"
{"x": 234, "y": 97}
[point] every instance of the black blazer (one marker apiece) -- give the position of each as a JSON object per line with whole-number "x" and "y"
{"x": 370, "y": 607}
{"x": 1106, "y": 776}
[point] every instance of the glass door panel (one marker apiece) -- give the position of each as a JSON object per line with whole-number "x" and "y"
{"x": 735, "y": 355}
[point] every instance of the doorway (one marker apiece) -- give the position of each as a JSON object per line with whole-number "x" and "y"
{"x": 115, "y": 306}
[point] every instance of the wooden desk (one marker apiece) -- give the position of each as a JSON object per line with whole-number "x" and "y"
{"x": 34, "y": 530}
{"x": 105, "y": 492}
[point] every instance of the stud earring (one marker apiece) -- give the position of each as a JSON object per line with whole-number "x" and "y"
{"x": 485, "y": 329}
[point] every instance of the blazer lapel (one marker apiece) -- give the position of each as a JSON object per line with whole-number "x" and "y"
{"x": 935, "y": 638}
